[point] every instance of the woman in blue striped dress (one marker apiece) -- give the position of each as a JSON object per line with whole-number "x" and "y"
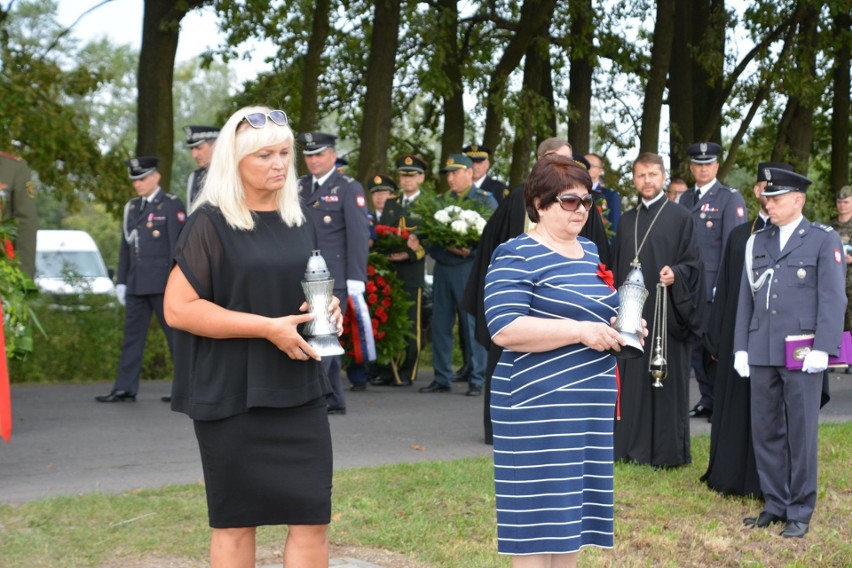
{"x": 550, "y": 304}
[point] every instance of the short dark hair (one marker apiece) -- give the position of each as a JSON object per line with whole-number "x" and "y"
{"x": 678, "y": 180}
{"x": 551, "y": 175}
{"x": 649, "y": 158}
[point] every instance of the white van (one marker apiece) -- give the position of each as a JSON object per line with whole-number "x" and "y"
{"x": 69, "y": 262}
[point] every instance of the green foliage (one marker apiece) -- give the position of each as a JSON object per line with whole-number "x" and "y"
{"x": 16, "y": 290}
{"x": 450, "y": 223}
{"x": 82, "y": 342}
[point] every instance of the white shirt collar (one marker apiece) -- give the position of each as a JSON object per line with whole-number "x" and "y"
{"x": 324, "y": 178}
{"x": 705, "y": 188}
{"x": 786, "y": 231}
{"x": 478, "y": 184}
{"x": 648, "y": 204}
{"x": 410, "y": 198}
{"x": 153, "y": 196}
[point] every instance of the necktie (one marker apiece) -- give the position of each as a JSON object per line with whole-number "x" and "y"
{"x": 405, "y": 202}
{"x": 316, "y": 185}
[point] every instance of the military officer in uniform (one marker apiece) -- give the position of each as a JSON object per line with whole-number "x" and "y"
{"x": 452, "y": 269}
{"x": 339, "y": 209}
{"x": 409, "y": 265}
{"x": 150, "y": 228}
{"x": 717, "y": 209}
{"x": 481, "y": 158}
{"x": 793, "y": 284}
{"x": 17, "y": 201}
{"x": 200, "y": 140}
{"x": 842, "y": 223}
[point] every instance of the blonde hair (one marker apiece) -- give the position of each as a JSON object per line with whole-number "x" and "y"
{"x": 223, "y": 187}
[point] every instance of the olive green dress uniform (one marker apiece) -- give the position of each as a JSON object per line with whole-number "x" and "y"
{"x": 17, "y": 201}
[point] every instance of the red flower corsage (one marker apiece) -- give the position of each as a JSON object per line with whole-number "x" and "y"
{"x": 606, "y": 276}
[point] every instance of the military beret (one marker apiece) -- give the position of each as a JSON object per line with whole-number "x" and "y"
{"x": 381, "y": 182}
{"x": 845, "y": 192}
{"x": 704, "y": 152}
{"x": 411, "y": 163}
{"x": 761, "y": 169}
{"x": 457, "y": 162}
{"x": 315, "y": 142}
{"x": 780, "y": 181}
{"x": 142, "y": 166}
{"x": 195, "y": 135}
{"x": 477, "y": 153}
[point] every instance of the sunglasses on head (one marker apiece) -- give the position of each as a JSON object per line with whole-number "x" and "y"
{"x": 570, "y": 202}
{"x": 258, "y": 119}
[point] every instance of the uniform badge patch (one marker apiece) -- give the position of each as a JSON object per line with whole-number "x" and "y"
{"x": 740, "y": 212}
{"x": 360, "y": 201}
{"x": 837, "y": 256}
{"x": 181, "y": 216}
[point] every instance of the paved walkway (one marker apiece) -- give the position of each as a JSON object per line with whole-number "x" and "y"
{"x": 64, "y": 443}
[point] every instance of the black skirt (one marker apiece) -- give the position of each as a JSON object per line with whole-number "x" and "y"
{"x": 268, "y": 466}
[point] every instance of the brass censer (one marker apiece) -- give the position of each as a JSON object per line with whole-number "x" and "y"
{"x": 658, "y": 366}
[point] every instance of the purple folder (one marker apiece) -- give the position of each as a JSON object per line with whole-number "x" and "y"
{"x": 796, "y": 347}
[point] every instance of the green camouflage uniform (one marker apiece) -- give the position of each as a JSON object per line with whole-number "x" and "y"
{"x": 845, "y": 231}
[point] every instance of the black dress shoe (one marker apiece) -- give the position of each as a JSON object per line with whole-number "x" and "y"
{"x": 381, "y": 381}
{"x": 474, "y": 391}
{"x": 166, "y": 398}
{"x": 699, "y": 411}
{"x": 795, "y": 529}
{"x": 337, "y": 410}
{"x": 358, "y": 387}
{"x": 461, "y": 375}
{"x": 435, "y": 386}
{"x": 763, "y": 520}
{"x": 117, "y": 396}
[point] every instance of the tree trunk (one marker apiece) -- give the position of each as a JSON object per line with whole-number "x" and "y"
{"x": 378, "y": 103}
{"x": 533, "y": 14}
{"x": 661, "y": 52}
{"x": 155, "y": 113}
{"x": 309, "y": 119}
{"x": 681, "y": 130}
{"x": 796, "y": 130}
{"x": 533, "y": 108}
{"x": 452, "y": 138}
{"x": 580, "y": 75}
{"x": 840, "y": 109}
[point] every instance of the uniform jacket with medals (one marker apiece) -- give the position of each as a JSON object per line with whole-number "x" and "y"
{"x": 716, "y": 214}
{"x": 339, "y": 211}
{"x": 150, "y": 233}
{"x": 804, "y": 292}
{"x": 412, "y": 272}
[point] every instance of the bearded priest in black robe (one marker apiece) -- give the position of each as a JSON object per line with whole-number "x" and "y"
{"x": 654, "y": 425}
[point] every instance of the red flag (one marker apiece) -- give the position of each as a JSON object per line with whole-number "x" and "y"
{"x": 5, "y": 393}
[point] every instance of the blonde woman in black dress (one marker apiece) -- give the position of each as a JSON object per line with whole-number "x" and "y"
{"x": 249, "y": 381}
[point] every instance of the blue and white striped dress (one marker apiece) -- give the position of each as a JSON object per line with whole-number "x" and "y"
{"x": 552, "y": 412}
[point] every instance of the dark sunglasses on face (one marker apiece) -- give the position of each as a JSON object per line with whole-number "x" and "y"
{"x": 570, "y": 202}
{"x": 258, "y": 119}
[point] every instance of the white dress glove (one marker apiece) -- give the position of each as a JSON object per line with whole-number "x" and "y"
{"x": 741, "y": 363}
{"x": 815, "y": 362}
{"x": 355, "y": 287}
{"x": 121, "y": 294}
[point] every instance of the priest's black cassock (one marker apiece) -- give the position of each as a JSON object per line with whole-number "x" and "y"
{"x": 654, "y": 425}
{"x": 732, "y": 470}
{"x": 507, "y": 222}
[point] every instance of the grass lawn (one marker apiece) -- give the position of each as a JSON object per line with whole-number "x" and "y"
{"x": 441, "y": 514}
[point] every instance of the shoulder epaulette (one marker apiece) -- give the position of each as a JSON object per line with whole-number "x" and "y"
{"x": 823, "y": 226}
{"x": 732, "y": 190}
{"x": 482, "y": 192}
{"x": 347, "y": 178}
{"x": 11, "y": 156}
{"x": 170, "y": 196}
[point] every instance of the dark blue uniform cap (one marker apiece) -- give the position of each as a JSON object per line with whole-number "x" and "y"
{"x": 315, "y": 142}
{"x": 761, "y": 168}
{"x": 195, "y": 135}
{"x": 381, "y": 182}
{"x": 142, "y": 166}
{"x": 780, "y": 181}
{"x": 704, "y": 152}
{"x": 457, "y": 162}
{"x": 581, "y": 160}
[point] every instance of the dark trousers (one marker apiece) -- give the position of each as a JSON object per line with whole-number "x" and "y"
{"x": 137, "y": 319}
{"x": 784, "y": 426}
{"x": 704, "y": 367}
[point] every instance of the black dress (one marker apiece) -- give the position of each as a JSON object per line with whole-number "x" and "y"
{"x": 260, "y": 417}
